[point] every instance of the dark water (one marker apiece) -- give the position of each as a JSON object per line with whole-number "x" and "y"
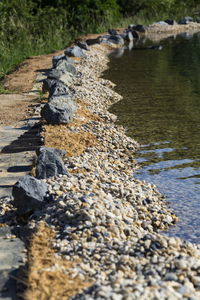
{"x": 161, "y": 110}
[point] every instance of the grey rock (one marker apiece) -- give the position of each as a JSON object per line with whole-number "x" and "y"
{"x": 170, "y": 277}
{"x": 91, "y": 42}
{"x": 57, "y": 100}
{"x": 49, "y": 163}
{"x": 185, "y": 21}
{"x": 170, "y": 22}
{"x": 61, "y": 75}
{"x": 83, "y": 45}
{"x": 163, "y": 23}
{"x": 59, "y": 110}
{"x": 58, "y": 152}
{"x": 59, "y": 58}
{"x": 58, "y": 88}
{"x": 47, "y": 84}
{"x": 67, "y": 78}
{"x": 74, "y": 51}
{"x": 29, "y": 194}
{"x": 112, "y": 39}
{"x": 112, "y": 31}
{"x": 139, "y": 28}
{"x": 64, "y": 66}
{"x": 55, "y": 74}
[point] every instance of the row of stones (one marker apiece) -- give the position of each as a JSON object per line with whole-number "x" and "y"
{"x": 106, "y": 219}
{"x": 31, "y": 193}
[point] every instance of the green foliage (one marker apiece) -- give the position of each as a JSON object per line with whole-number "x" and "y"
{"x": 32, "y": 27}
{"x": 158, "y": 8}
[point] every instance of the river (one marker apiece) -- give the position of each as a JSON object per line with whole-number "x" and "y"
{"x": 161, "y": 110}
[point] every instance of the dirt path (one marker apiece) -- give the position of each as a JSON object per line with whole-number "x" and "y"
{"x": 19, "y": 112}
{"x": 19, "y": 115}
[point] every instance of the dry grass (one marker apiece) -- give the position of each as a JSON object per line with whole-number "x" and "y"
{"x": 74, "y": 143}
{"x": 62, "y": 136}
{"x": 50, "y": 277}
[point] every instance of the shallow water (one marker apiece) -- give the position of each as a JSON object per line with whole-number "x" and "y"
{"x": 161, "y": 110}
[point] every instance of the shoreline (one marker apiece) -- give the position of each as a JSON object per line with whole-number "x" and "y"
{"x": 107, "y": 223}
{"x": 103, "y": 226}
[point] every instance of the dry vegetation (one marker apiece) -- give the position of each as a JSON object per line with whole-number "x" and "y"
{"x": 48, "y": 276}
{"x": 70, "y": 137}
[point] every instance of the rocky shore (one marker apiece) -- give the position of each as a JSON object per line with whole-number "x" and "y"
{"x": 103, "y": 224}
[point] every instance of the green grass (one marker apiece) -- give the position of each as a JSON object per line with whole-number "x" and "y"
{"x": 3, "y": 90}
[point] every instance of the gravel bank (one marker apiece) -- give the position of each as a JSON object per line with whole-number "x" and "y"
{"x": 107, "y": 222}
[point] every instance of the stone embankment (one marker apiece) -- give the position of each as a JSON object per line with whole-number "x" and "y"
{"x": 96, "y": 226}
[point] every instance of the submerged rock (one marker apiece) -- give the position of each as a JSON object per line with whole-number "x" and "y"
{"x": 29, "y": 194}
{"x": 58, "y": 88}
{"x": 49, "y": 163}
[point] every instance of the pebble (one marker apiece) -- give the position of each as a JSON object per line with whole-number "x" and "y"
{"x": 109, "y": 220}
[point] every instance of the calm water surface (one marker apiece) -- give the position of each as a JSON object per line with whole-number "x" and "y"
{"x": 161, "y": 110}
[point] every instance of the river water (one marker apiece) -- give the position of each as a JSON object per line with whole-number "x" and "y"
{"x": 161, "y": 110}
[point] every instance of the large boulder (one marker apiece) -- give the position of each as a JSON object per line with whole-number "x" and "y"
{"x": 49, "y": 163}
{"x": 63, "y": 57}
{"x": 58, "y": 88}
{"x": 57, "y": 58}
{"x": 185, "y": 20}
{"x": 29, "y": 194}
{"x": 74, "y": 51}
{"x": 64, "y": 66}
{"x": 55, "y": 74}
{"x": 112, "y": 39}
{"x": 59, "y": 110}
{"x": 47, "y": 84}
{"x": 65, "y": 77}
